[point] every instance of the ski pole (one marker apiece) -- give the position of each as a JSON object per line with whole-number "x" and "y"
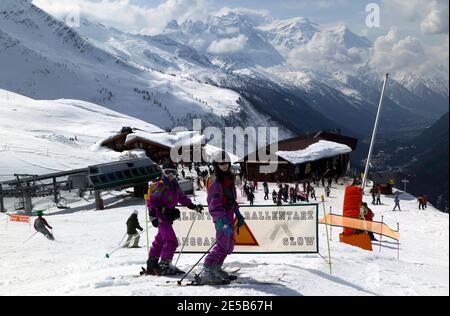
{"x": 108, "y": 255}
{"x": 30, "y": 237}
{"x": 146, "y": 198}
{"x": 120, "y": 243}
{"x": 187, "y": 238}
{"x": 326, "y": 228}
{"x": 204, "y": 255}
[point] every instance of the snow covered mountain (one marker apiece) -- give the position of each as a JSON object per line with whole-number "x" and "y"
{"x": 41, "y": 57}
{"x": 238, "y": 67}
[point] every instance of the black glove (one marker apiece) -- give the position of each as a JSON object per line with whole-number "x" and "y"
{"x": 155, "y": 221}
{"x": 153, "y": 218}
{"x": 199, "y": 209}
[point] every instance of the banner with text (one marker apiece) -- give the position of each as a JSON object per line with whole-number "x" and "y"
{"x": 269, "y": 229}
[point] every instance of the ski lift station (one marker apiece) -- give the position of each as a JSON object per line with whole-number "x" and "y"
{"x": 121, "y": 175}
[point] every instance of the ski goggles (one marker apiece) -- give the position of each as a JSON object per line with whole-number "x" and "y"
{"x": 170, "y": 172}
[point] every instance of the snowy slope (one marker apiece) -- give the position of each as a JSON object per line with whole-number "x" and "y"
{"x": 38, "y": 137}
{"x": 76, "y": 263}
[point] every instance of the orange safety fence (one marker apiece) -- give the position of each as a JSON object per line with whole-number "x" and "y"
{"x": 19, "y": 218}
{"x": 359, "y": 224}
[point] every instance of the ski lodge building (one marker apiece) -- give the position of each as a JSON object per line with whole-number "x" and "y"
{"x": 156, "y": 145}
{"x": 322, "y": 154}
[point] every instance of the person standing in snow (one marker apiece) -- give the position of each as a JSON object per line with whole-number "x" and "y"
{"x": 378, "y": 202}
{"x": 313, "y": 194}
{"x": 374, "y": 196}
{"x": 223, "y": 207}
{"x": 132, "y": 228}
{"x": 266, "y": 191}
{"x": 327, "y": 191}
{"x": 420, "y": 199}
{"x": 251, "y": 198}
{"x": 274, "y": 196}
{"x": 397, "y": 203}
{"x": 165, "y": 196}
{"x": 425, "y": 202}
{"x": 41, "y": 225}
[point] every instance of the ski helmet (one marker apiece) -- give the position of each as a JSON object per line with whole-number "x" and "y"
{"x": 39, "y": 213}
{"x": 220, "y": 156}
{"x": 135, "y": 212}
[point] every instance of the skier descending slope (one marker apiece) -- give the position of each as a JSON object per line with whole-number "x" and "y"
{"x": 41, "y": 225}
{"x": 165, "y": 197}
{"x": 222, "y": 206}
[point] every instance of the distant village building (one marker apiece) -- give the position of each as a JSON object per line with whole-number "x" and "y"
{"x": 383, "y": 181}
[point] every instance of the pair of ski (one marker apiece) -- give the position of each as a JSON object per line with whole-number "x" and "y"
{"x": 232, "y": 281}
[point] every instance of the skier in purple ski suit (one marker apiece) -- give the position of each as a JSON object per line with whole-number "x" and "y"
{"x": 222, "y": 207}
{"x": 162, "y": 208}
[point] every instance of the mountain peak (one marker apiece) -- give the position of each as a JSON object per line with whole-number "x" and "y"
{"x": 173, "y": 25}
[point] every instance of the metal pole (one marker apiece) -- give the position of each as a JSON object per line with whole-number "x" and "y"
{"x": 2, "y": 205}
{"x": 326, "y": 228}
{"x": 374, "y": 134}
{"x": 398, "y": 242}
{"x": 146, "y": 197}
{"x": 30, "y": 237}
{"x": 187, "y": 239}
{"x": 331, "y": 227}
{"x": 381, "y": 232}
{"x": 55, "y": 193}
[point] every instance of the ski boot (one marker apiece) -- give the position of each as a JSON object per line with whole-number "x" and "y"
{"x": 167, "y": 268}
{"x": 224, "y": 275}
{"x": 209, "y": 276}
{"x": 153, "y": 267}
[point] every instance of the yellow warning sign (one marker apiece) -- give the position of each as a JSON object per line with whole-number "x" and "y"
{"x": 243, "y": 236}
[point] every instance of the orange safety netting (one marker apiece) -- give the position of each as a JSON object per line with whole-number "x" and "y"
{"x": 19, "y": 218}
{"x": 359, "y": 224}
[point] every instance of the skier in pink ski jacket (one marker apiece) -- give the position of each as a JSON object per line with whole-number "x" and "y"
{"x": 162, "y": 203}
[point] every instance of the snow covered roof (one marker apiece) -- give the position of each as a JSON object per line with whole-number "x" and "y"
{"x": 319, "y": 150}
{"x": 169, "y": 140}
{"x": 210, "y": 150}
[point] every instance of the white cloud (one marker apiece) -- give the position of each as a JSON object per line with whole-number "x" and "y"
{"x": 228, "y": 45}
{"x": 392, "y": 53}
{"x": 126, "y": 16}
{"x": 436, "y": 22}
{"x": 326, "y": 49}
{"x": 430, "y": 15}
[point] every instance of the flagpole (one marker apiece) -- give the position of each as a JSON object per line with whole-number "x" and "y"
{"x": 374, "y": 134}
